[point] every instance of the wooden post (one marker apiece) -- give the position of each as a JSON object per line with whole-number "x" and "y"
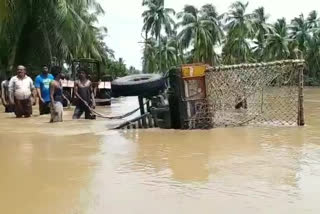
{"x": 148, "y": 106}
{"x": 300, "y": 99}
{"x": 149, "y": 117}
{"x": 142, "y": 111}
{"x": 141, "y": 105}
{"x": 139, "y": 124}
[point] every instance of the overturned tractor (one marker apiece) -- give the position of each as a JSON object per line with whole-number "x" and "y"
{"x": 202, "y": 97}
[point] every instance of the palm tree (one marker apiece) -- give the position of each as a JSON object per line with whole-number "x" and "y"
{"x": 202, "y": 30}
{"x": 156, "y": 18}
{"x": 10, "y": 31}
{"x": 240, "y": 27}
{"x": 278, "y": 42}
{"x": 37, "y": 31}
{"x": 313, "y": 57}
{"x": 167, "y": 52}
{"x": 174, "y": 42}
{"x": 210, "y": 13}
{"x": 262, "y": 29}
{"x": 300, "y": 30}
{"x": 312, "y": 54}
{"x": 313, "y": 19}
{"x": 150, "y": 64}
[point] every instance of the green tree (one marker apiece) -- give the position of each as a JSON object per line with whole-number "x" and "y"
{"x": 313, "y": 60}
{"x": 174, "y": 42}
{"x": 277, "y": 46}
{"x": 155, "y": 19}
{"x": 313, "y": 19}
{"x": 167, "y": 50}
{"x": 262, "y": 29}
{"x": 34, "y": 32}
{"x": 133, "y": 70}
{"x": 116, "y": 68}
{"x": 240, "y": 28}
{"x": 150, "y": 64}
{"x": 300, "y": 30}
{"x": 312, "y": 55}
{"x": 210, "y": 13}
{"x": 202, "y": 31}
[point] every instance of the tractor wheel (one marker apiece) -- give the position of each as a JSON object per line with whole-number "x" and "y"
{"x": 138, "y": 85}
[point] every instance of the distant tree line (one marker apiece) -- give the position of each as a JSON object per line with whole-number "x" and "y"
{"x": 202, "y": 35}
{"x": 52, "y": 32}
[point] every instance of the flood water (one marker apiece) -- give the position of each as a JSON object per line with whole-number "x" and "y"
{"x": 82, "y": 167}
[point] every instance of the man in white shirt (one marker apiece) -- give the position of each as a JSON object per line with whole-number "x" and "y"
{"x": 20, "y": 91}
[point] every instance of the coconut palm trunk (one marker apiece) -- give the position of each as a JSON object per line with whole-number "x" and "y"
{"x": 12, "y": 57}
{"x": 47, "y": 41}
{"x": 160, "y": 54}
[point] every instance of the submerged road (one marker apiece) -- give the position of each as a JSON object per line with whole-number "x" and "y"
{"x": 82, "y": 167}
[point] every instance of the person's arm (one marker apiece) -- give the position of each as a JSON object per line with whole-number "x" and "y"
{"x": 68, "y": 101}
{"x": 33, "y": 92}
{"x": 92, "y": 96}
{"x": 3, "y": 99}
{"x": 64, "y": 97}
{"x": 37, "y": 85}
{"x": 75, "y": 89}
{"x": 52, "y": 89}
{"x": 11, "y": 90}
{"x": 39, "y": 95}
{"x": 32, "y": 88}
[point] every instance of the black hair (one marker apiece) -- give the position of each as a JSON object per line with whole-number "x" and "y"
{"x": 56, "y": 70}
{"x": 83, "y": 69}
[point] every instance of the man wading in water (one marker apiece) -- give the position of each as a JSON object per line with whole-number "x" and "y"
{"x": 83, "y": 91}
{"x": 5, "y": 96}
{"x": 20, "y": 93}
{"x": 56, "y": 95}
{"x": 42, "y": 84}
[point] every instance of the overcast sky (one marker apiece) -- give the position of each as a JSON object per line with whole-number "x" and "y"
{"x": 124, "y": 22}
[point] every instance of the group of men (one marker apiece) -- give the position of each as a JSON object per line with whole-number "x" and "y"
{"x": 18, "y": 94}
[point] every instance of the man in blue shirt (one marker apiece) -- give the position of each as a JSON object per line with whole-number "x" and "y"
{"x": 42, "y": 84}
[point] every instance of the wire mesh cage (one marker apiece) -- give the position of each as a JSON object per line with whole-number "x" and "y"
{"x": 249, "y": 94}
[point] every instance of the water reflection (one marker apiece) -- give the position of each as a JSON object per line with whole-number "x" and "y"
{"x": 202, "y": 155}
{"x": 41, "y": 174}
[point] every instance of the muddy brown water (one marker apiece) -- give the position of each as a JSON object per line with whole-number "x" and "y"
{"x": 81, "y": 167}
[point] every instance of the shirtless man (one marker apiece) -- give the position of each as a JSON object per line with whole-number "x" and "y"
{"x": 5, "y": 96}
{"x": 85, "y": 98}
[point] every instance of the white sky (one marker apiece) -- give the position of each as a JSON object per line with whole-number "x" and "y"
{"x": 124, "y": 22}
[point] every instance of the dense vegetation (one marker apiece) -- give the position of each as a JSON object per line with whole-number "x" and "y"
{"x": 34, "y": 32}
{"x": 38, "y": 32}
{"x": 237, "y": 36}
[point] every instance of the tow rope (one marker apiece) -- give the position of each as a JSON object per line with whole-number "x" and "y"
{"x": 104, "y": 116}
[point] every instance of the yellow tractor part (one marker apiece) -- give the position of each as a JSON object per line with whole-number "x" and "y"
{"x": 193, "y": 70}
